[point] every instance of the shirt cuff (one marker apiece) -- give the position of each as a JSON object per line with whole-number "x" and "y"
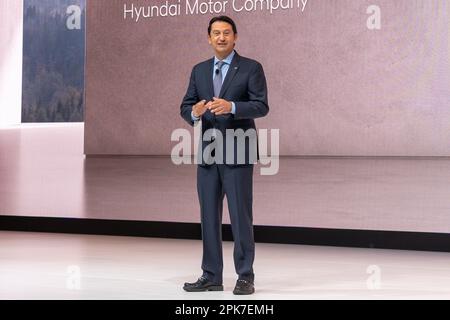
{"x": 233, "y": 108}
{"x": 194, "y": 118}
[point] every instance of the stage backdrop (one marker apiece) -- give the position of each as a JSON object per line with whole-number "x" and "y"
{"x": 53, "y": 61}
{"x": 345, "y": 77}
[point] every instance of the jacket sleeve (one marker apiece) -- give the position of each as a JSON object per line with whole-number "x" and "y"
{"x": 190, "y": 98}
{"x": 257, "y": 105}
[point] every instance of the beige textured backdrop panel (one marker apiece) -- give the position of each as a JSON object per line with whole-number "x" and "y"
{"x": 335, "y": 86}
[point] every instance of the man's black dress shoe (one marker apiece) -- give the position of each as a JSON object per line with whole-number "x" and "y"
{"x": 243, "y": 287}
{"x": 202, "y": 284}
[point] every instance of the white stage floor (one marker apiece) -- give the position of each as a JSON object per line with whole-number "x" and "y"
{"x": 63, "y": 266}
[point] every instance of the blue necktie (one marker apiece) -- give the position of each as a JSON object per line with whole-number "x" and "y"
{"x": 218, "y": 79}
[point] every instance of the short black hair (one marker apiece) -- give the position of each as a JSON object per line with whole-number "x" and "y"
{"x": 224, "y": 19}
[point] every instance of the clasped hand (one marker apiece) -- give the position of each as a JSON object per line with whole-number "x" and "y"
{"x": 217, "y": 107}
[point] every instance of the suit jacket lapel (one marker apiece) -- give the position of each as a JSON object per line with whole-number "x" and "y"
{"x": 209, "y": 78}
{"x": 232, "y": 70}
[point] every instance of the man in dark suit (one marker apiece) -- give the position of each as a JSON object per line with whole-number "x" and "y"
{"x": 226, "y": 93}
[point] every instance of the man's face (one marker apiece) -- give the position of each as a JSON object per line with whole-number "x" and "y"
{"x": 222, "y": 38}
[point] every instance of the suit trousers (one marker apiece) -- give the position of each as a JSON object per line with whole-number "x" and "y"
{"x": 236, "y": 183}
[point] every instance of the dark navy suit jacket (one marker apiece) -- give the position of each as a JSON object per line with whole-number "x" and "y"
{"x": 245, "y": 85}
